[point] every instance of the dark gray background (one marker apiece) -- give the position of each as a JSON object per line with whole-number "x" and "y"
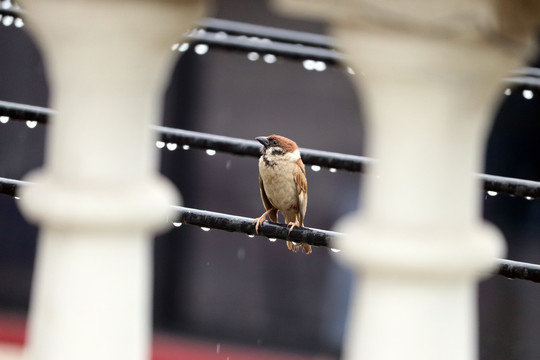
{"x": 228, "y": 287}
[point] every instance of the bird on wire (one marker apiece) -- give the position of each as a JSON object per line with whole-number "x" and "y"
{"x": 283, "y": 184}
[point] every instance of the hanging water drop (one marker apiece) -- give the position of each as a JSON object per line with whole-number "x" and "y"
{"x": 185, "y": 147}
{"x": 172, "y": 146}
{"x": 350, "y": 70}
{"x": 333, "y": 170}
{"x": 205, "y": 228}
{"x": 201, "y": 49}
{"x": 335, "y": 250}
{"x": 160, "y": 144}
{"x": 210, "y": 152}
{"x": 270, "y": 58}
{"x": 492, "y": 193}
{"x": 4, "y": 119}
{"x": 272, "y": 239}
{"x": 177, "y": 224}
{"x": 529, "y": 197}
{"x": 508, "y": 92}
{"x": 19, "y": 23}
{"x": 184, "y": 47}
{"x": 7, "y": 20}
{"x": 253, "y": 56}
{"x": 31, "y": 124}
{"x": 309, "y": 64}
{"x": 251, "y": 235}
{"x": 320, "y": 66}
{"x": 528, "y": 94}
{"x": 315, "y": 168}
{"x": 175, "y": 46}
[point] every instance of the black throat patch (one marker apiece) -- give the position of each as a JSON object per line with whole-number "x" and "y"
{"x": 268, "y": 162}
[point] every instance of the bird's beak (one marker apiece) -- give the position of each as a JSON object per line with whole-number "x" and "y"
{"x": 263, "y": 140}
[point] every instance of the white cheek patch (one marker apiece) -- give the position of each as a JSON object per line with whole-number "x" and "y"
{"x": 293, "y": 156}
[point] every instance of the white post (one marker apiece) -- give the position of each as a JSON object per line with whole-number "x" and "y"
{"x": 99, "y": 198}
{"x": 429, "y": 73}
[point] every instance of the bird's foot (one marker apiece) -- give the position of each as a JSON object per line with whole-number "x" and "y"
{"x": 292, "y": 246}
{"x": 258, "y": 222}
{"x": 292, "y": 225}
{"x": 306, "y": 248}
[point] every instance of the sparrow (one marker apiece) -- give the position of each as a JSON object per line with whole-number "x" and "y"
{"x": 283, "y": 184}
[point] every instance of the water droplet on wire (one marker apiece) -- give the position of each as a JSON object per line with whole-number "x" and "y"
{"x": 315, "y": 168}
{"x": 508, "y": 92}
{"x": 19, "y": 23}
{"x": 272, "y": 239}
{"x": 210, "y": 152}
{"x": 7, "y": 20}
{"x": 31, "y": 124}
{"x": 492, "y": 193}
{"x": 175, "y": 46}
{"x": 528, "y": 94}
{"x": 320, "y": 66}
{"x": 172, "y": 146}
{"x": 201, "y": 49}
{"x": 529, "y": 197}
{"x": 270, "y": 58}
{"x": 309, "y": 64}
{"x": 160, "y": 144}
{"x": 4, "y": 119}
{"x": 177, "y": 224}
{"x": 185, "y": 147}
{"x": 335, "y": 250}
{"x": 205, "y": 228}
{"x": 333, "y": 170}
{"x": 253, "y": 56}
{"x": 184, "y": 47}
{"x": 251, "y": 235}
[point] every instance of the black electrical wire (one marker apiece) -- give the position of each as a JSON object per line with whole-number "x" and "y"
{"x": 271, "y": 230}
{"x": 266, "y": 32}
{"x": 237, "y": 146}
{"x": 25, "y": 112}
{"x": 324, "y": 238}
{"x": 297, "y": 51}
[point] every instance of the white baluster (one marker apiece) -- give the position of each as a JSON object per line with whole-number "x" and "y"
{"x": 432, "y": 72}
{"x": 99, "y": 198}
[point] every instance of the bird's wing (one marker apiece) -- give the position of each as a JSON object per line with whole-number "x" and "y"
{"x": 266, "y": 202}
{"x": 301, "y": 189}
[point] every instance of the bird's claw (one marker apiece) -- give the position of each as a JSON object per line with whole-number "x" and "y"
{"x": 306, "y": 248}
{"x": 292, "y": 225}
{"x": 258, "y": 222}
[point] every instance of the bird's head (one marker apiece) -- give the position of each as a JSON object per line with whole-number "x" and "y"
{"x": 277, "y": 146}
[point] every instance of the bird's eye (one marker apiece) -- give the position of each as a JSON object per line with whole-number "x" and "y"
{"x": 275, "y": 142}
